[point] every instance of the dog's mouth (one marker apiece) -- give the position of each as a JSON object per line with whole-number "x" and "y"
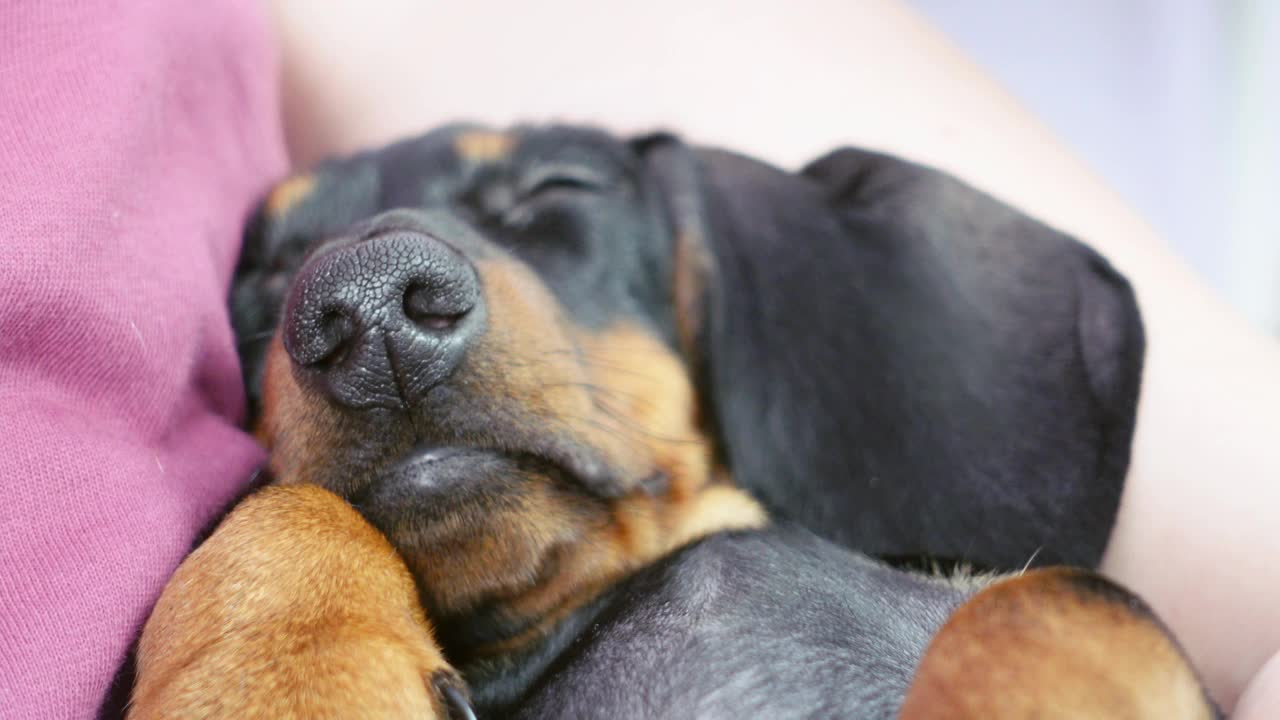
{"x": 442, "y": 472}
{"x": 441, "y": 490}
{"x": 457, "y": 452}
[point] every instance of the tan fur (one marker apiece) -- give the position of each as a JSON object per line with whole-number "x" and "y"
{"x": 287, "y": 194}
{"x": 1044, "y": 645}
{"x": 620, "y": 390}
{"x": 294, "y": 608}
{"x": 480, "y": 146}
{"x": 692, "y": 266}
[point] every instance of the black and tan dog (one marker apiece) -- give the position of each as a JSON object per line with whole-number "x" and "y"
{"x": 543, "y": 387}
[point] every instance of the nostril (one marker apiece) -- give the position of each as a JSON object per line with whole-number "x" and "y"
{"x": 334, "y": 332}
{"x": 434, "y": 310}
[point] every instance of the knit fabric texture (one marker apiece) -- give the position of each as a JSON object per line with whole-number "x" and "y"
{"x": 135, "y": 136}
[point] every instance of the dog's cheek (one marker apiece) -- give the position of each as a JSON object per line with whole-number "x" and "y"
{"x": 303, "y": 434}
{"x": 649, "y": 407}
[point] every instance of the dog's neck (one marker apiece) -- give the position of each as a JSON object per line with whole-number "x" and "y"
{"x": 502, "y": 649}
{"x": 499, "y": 681}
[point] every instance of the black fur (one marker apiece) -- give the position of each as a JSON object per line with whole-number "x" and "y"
{"x": 775, "y": 623}
{"x": 907, "y": 366}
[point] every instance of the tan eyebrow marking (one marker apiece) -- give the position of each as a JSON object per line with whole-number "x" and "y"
{"x": 288, "y": 194}
{"x": 482, "y": 145}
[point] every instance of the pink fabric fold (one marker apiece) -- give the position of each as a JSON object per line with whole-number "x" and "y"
{"x": 134, "y": 138}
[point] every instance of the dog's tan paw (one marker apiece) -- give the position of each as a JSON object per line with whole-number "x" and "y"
{"x": 1055, "y": 644}
{"x": 294, "y": 608}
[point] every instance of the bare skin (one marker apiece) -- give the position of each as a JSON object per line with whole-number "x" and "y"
{"x": 1196, "y": 534}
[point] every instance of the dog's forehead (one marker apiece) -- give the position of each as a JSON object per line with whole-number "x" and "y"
{"x": 435, "y": 168}
{"x": 568, "y": 144}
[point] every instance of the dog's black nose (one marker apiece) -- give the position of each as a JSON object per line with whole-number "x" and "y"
{"x": 378, "y": 322}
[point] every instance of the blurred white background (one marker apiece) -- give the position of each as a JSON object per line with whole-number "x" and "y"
{"x": 1175, "y": 103}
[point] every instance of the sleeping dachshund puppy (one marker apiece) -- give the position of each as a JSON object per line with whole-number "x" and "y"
{"x": 564, "y": 425}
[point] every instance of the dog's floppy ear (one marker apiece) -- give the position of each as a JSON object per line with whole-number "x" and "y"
{"x": 903, "y": 363}
{"x": 1056, "y": 643}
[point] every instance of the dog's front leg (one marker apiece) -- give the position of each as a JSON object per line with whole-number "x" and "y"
{"x": 294, "y": 608}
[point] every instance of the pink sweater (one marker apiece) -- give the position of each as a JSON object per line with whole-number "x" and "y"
{"x": 134, "y": 137}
